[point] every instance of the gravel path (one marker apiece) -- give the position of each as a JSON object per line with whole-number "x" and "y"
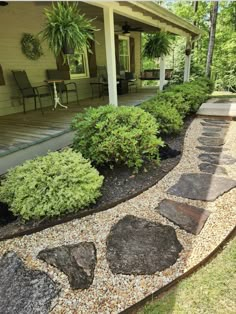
{"x": 112, "y": 293}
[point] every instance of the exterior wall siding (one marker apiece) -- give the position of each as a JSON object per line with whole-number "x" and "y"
{"x": 27, "y": 17}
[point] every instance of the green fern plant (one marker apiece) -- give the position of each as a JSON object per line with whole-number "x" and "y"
{"x": 66, "y": 27}
{"x": 156, "y": 45}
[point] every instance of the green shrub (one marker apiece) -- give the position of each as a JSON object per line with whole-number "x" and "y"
{"x": 175, "y": 100}
{"x": 167, "y": 117}
{"x": 111, "y": 135}
{"x": 51, "y": 185}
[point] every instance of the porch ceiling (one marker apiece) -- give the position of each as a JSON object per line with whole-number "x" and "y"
{"x": 147, "y": 15}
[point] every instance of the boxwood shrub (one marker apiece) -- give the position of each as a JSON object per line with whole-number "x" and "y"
{"x": 184, "y": 98}
{"x": 111, "y": 135}
{"x": 167, "y": 117}
{"x": 61, "y": 182}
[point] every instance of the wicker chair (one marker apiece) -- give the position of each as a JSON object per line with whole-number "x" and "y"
{"x": 29, "y": 91}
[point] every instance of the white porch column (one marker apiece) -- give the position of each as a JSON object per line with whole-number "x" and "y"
{"x": 110, "y": 54}
{"x": 162, "y": 72}
{"x": 187, "y": 63}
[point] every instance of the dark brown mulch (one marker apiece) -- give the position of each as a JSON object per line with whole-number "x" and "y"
{"x": 120, "y": 184}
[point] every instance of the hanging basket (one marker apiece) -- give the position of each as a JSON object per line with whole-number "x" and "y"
{"x": 188, "y": 51}
{"x": 67, "y": 50}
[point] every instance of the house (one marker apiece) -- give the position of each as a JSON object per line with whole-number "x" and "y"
{"x": 117, "y": 46}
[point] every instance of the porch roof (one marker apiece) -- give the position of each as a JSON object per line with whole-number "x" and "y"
{"x": 145, "y": 14}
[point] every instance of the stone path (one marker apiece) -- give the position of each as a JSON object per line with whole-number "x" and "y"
{"x": 108, "y": 261}
{"x": 218, "y": 107}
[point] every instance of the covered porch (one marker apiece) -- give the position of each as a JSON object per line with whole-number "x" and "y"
{"x": 25, "y": 136}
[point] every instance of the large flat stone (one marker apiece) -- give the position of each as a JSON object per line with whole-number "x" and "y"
{"x": 201, "y": 186}
{"x": 206, "y": 124}
{"x": 217, "y": 159}
{"x": 216, "y": 121}
{"x": 212, "y": 129}
{"x": 24, "y": 290}
{"x": 211, "y": 141}
{"x": 212, "y": 149}
{"x": 212, "y": 134}
{"x": 213, "y": 169}
{"x": 76, "y": 261}
{"x": 189, "y": 218}
{"x": 141, "y": 247}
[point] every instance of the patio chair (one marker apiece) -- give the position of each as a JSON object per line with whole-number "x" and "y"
{"x": 63, "y": 87}
{"x": 29, "y": 91}
{"x": 132, "y": 80}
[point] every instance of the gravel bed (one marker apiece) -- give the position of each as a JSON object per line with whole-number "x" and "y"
{"x": 112, "y": 293}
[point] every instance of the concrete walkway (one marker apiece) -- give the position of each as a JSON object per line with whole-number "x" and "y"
{"x": 218, "y": 107}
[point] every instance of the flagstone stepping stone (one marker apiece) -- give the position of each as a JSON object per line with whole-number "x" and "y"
{"x": 216, "y": 121}
{"x": 218, "y": 159}
{"x": 141, "y": 247}
{"x": 77, "y": 261}
{"x": 189, "y": 218}
{"x": 213, "y": 169}
{"x": 201, "y": 186}
{"x": 212, "y": 149}
{"x": 223, "y": 126}
{"x": 211, "y": 141}
{"x": 23, "y": 290}
{"x": 212, "y": 130}
{"x": 211, "y": 134}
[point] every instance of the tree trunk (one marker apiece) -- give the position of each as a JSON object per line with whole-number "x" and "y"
{"x": 214, "y": 12}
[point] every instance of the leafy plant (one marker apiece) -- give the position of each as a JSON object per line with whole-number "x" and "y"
{"x": 65, "y": 26}
{"x": 52, "y": 185}
{"x": 167, "y": 117}
{"x": 156, "y": 45}
{"x": 111, "y": 135}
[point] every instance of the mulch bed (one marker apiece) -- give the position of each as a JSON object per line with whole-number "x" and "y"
{"x": 120, "y": 184}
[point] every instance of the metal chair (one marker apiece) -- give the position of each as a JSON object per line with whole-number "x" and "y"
{"x": 63, "y": 87}
{"x": 29, "y": 91}
{"x": 132, "y": 80}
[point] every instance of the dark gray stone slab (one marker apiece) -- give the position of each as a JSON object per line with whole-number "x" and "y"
{"x": 212, "y": 129}
{"x": 212, "y": 134}
{"x": 212, "y": 149}
{"x": 216, "y": 121}
{"x": 24, "y": 290}
{"x": 189, "y": 218}
{"x": 141, "y": 247}
{"x": 217, "y": 159}
{"x": 213, "y": 169}
{"x": 201, "y": 186}
{"x": 76, "y": 261}
{"x": 207, "y": 141}
{"x": 223, "y": 126}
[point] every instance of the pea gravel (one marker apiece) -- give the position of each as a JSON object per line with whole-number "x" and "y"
{"x": 112, "y": 293}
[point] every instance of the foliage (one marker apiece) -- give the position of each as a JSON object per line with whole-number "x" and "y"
{"x": 156, "y": 45}
{"x": 111, "y": 135}
{"x": 167, "y": 117}
{"x": 65, "y": 25}
{"x": 173, "y": 104}
{"x": 31, "y": 47}
{"x": 61, "y": 182}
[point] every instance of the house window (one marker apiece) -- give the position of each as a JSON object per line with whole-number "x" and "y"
{"x": 124, "y": 53}
{"x": 78, "y": 64}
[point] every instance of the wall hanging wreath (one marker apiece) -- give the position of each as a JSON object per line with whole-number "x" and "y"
{"x": 31, "y": 46}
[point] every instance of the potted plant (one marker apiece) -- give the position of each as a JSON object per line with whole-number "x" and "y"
{"x": 157, "y": 44}
{"x": 66, "y": 29}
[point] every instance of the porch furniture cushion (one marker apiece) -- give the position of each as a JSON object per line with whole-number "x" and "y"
{"x": 29, "y": 91}
{"x": 70, "y": 87}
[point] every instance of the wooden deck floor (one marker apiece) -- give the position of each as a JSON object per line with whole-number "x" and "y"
{"x": 19, "y": 131}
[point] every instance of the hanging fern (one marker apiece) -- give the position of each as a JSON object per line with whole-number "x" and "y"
{"x": 156, "y": 45}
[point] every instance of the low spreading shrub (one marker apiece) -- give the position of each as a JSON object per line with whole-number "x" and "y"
{"x": 111, "y": 135}
{"x": 167, "y": 117}
{"x": 61, "y": 182}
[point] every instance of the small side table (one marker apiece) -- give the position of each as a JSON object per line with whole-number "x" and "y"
{"x": 56, "y": 97}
